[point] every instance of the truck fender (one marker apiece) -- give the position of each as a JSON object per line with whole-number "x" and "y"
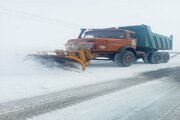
{"x": 128, "y": 48}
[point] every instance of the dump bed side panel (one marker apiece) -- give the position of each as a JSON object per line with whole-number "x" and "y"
{"x": 162, "y": 42}
{"x": 147, "y": 39}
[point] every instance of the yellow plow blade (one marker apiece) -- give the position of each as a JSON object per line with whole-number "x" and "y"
{"x": 66, "y": 58}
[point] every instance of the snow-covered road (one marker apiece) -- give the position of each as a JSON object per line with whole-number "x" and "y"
{"x": 131, "y": 95}
{"x": 153, "y": 100}
{"x": 24, "y": 79}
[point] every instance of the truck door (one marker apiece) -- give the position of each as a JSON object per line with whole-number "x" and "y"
{"x": 130, "y": 39}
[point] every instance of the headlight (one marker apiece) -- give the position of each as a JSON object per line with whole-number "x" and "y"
{"x": 102, "y": 46}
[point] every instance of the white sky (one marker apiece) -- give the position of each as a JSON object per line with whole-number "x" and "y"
{"x": 47, "y": 24}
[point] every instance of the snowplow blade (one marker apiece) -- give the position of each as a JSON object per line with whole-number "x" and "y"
{"x": 78, "y": 59}
{"x": 64, "y": 62}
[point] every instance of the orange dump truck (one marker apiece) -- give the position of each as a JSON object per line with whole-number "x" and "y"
{"x": 123, "y": 45}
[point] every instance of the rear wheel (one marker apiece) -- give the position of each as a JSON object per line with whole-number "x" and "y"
{"x": 158, "y": 57}
{"x": 146, "y": 58}
{"x": 152, "y": 58}
{"x": 124, "y": 58}
{"x": 165, "y": 57}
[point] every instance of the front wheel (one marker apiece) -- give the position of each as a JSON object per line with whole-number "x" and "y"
{"x": 124, "y": 58}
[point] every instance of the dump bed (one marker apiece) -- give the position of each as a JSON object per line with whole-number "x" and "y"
{"x": 147, "y": 39}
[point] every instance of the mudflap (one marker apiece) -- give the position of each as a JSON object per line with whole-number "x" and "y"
{"x": 57, "y": 61}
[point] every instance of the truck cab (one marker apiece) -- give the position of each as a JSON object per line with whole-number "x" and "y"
{"x": 108, "y": 43}
{"x": 106, "y": 40}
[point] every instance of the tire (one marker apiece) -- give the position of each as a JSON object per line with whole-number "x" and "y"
{"x": 146, "y": 58}
{"x": 124, "y": 58}
{"x": 165, "y": 57}
{"x": 152, "y": 58}
{"x": 159, "y": 57}
{"x": 161, "y": 54}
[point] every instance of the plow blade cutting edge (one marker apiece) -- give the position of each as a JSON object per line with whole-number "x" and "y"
{"x": 64, "y": 62}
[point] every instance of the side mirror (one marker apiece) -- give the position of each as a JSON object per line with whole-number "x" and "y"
{"x": 82, "y": 31}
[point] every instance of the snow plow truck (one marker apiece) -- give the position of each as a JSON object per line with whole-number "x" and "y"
{"x": 123, "y": 45}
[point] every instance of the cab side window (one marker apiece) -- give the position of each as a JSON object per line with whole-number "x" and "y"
{"x": 132, "y": 35}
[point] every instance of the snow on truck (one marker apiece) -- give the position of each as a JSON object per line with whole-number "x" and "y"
{"x": 123, "y": 45}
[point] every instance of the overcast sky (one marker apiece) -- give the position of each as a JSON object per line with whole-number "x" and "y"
{"x": 47, "y": 24}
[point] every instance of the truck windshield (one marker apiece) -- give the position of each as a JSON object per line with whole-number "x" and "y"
{"x": 105, "y": 34}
